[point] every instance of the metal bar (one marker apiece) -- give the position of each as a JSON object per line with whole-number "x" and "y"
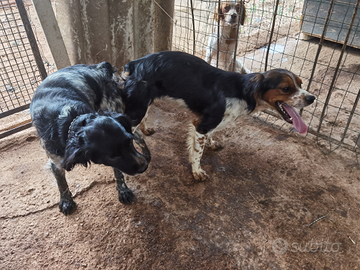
{"x": 15, "y": 110}
{"x": 31, "y": 37}
{"x": 218, "y": 34}
{"x": 237, "y": 37}
{"x": 193, "y": 23}
{"x": 351, "y": 116}
{"x": 338, "y": 67}
{"x": 15, "y": 130}
{"x": 271, "y": 34}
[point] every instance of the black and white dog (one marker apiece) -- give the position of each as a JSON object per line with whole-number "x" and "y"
{"x": 216, "y": 97}
{"x": 78, "y": 114}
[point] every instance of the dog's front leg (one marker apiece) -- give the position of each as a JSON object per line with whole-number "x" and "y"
{"x": 67, "y": 204}
{"x": 196, "y": 145}
{"x": 125, "y": 194}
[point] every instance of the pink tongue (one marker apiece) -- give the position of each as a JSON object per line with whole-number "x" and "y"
{"x": 297, "y": 121}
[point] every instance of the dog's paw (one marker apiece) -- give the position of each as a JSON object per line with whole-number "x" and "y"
{"x": 200, "y": 175}
{"x": 215, "y": 146}
{"x": 126, "y": 196}
{"x": 67, "y": 206}
{"x": 148, "y": 131}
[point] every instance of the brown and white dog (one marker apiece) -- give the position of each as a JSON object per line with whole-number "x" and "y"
{"x": 223, "y": 40}
{"x": 215, "y": 97}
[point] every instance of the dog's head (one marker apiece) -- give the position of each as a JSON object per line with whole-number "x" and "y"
{"x": 230, "y": 12}
{"x": 103, "y": 139}
{"x": 280, "y": 89}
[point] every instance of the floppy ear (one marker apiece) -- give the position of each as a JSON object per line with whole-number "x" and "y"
{"x": 257, "y": 79}
{"x": 124, "y": 121}
{"x": 120, "y": 118}
{"x": 75, "y": 152}
{"x": 255, "y": 92}
{"x": 219, "y": 15}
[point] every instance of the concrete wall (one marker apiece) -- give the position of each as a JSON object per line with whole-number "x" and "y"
{"x": 113, "y": 30}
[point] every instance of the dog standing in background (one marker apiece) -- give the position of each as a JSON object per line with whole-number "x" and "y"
{"x": 78, "y": 114}
{"x": 229, "y": 15}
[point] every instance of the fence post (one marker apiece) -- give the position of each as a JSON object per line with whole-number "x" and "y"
{"x": 52, "y": 33}
{"x": 31, "y": 37}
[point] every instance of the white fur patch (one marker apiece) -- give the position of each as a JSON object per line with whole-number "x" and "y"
{"x": 234, "y": 108}
{"x": 65, "y": 111}
{"x": 298, "y": 99}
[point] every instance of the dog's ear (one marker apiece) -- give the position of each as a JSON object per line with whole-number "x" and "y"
{"x": 298, "y": 81}
{"x": 257, "y": 78}
{"x": 219, "y": 15}
{"x": 124, "y": 121}
{"x": 75, "y": 152}
{"x": 120, "y": 118}
{"x": 255, "y": 90}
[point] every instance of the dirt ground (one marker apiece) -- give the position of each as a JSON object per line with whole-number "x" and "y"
{"x": 273, "y": 201}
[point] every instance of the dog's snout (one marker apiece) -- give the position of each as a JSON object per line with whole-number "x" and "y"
{"x": 233, "y": 16}
{"x": 144, "y": 167}
{"x": 310, "y": 99}
{"x": 142, "y": 164}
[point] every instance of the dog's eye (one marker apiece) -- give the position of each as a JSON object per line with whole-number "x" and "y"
{"x": 226, "y": 8}
{"x": 83, "y": 123}
{"x": 285, "y": 89}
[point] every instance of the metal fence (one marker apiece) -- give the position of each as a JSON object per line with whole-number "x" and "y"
{"x": 316, "y": 39}
{"x": 21, "y": 66}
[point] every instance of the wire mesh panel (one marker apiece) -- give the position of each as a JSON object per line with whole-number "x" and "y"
{"x": 18, "y": 72}
{"x": 274, "y": 36}
{"x": 21, "y": 65}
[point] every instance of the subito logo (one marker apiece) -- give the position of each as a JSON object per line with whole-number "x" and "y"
{"x": 280, "y": 246}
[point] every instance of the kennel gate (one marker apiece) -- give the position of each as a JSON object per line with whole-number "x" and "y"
{"x": 22, "y": 68}
{"x": 272, "y": 37}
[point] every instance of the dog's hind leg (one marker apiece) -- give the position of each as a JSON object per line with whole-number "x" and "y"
{"x": 196, "y": 144}
{"x": 67, "y": 204}
{"x": 125, "y": 194}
